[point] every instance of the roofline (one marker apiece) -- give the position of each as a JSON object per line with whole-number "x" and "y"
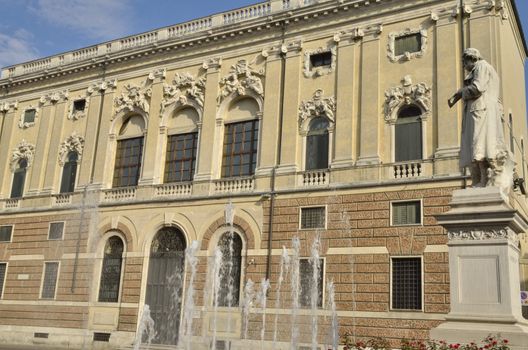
{"x": 519, "y": 24}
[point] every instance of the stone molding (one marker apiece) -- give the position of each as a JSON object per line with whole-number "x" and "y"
{"x": 184, "y": 87}
{"x": 481, "y": 234}
{"x": 310, "y": 72}
{"x": 54, "y": 97}
{"x": 291, "y": 47}
{"x": 212, "y": 64}
{"x": 242, "y": 78}
{"x": 318, "y": 106}
{"x": 74, "y": 143}
{"x": 7, "y": 107}
{"x": 405, "y": 95}
{"x": 391, "y": 51}
{"x": 102, "y": 86}
{"x": 24, "y": 150}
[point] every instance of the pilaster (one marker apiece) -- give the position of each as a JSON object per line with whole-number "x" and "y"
{"x": 52, "y": 168}
{"x": 8, "y": 119}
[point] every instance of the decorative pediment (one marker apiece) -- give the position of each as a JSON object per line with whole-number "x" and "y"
{"x": 318, "y": 106}
{"x": 73, "y": 143}
{"x": 24, "y": 150}
{"x": 407, "y": 94}
{"x": 184, "y": 87}
{"x": 135, "y": 97}
{"x": 241, "y": 80}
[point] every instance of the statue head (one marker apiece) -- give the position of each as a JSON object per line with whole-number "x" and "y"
{"x": 470, "y": 57}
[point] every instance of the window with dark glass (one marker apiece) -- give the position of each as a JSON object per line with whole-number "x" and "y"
{"x": 406, "y": 283}
{"x": 56, "y": 230}
{"x": 313, "y": 218}
{"x": 3, "y": 269}
{"x": 49, "y": 284}
{"x": 128, "y": 162}
{"x": 29, "y": 115}
{"x": 69, "y": 173}
{"x": 321, "y": 59}
{"x": 5, "y": 233}
{"x": 19, "y": 179}
{"x": 408, "y": 141}
{"x": 181, "y": 157}
{"x": 111, "y": 271}
{"x": 408, "y": 43}
{"x": 406, "y": 213}
{"x": 317, "y": 145}
{"x": 240, "y": 149}
{"x": 306, "y": 274}
{"x": 79, "y": 105}
{"x": 230, "y": 245}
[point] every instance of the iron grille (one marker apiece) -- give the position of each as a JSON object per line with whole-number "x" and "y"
{"x": 306, "y": 276}
{"x": 5, "y": 233}
{"x": 49, "y": 285}
{"x": 3, "y": 268}
{"x": 313, "y": 218}
{"x": 56, "y": 230}
{"x": 407, "y": 283}
{"x": 105, "y": 337}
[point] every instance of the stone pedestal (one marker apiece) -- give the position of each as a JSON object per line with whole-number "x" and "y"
{"x": 484, "y": 269}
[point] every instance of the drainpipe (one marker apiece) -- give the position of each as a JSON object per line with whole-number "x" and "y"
{"x": 278, "y": 155}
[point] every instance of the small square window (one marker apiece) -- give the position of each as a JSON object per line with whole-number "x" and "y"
{"x": 406, "y": 283}
{"x": 313, "y": 218}
{"x": 408, "y": 43}
{"x": 3, "y": 270}
{"x": 406, "y": 213}
{"x": 321, "y": 59}
{"x": 56, "y": 230}
{"x": 79, "y": 105}
{"x": 49, "y": 282}
{"x": 29, "y": 116}
{"x": 307, "y": 281}
{"x": 6, "y": 233}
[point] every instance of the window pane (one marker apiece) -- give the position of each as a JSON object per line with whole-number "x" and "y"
{"x": 128, "y": 162}
{"x": 19, "y": 179}
{"x": 111, "y": 270}
{"x": 240, "y": 149}
{"x": 56, "y": 230}
{"x": 69, "y": 173}
{"x": 408, "y": 141}
{"x": 407, "y": 283}
{"x": 230, "y": 245}
{"x": 313, "y": 218}
{"x": 321, "y": 59}
{"x": 317, "y": 152}
{"x": 3, "y": 268}
{"x": 79, "y": 105}
{"x": 408, "y": 43}
{"x": 5, "y": 233}
{"x": 29, "y": 116}
{"x": 181, "y": 157}
{"x": 307, "y": 281}
{"x": 50, "y": 280}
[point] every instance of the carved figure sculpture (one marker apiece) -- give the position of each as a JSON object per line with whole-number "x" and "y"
{"x": 482, "y": 147}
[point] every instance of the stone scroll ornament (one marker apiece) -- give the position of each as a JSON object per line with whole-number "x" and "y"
{"x": 184, "y": 88}
{"x": 242, "y": 78}
{"x": 137, "y": 96}
{"x": 73, "y": 143}
{"x": 318, "y": 106}
{"x": 24, "y": 150}
{"x": 404, "y": 95}
{"x": 479, "y": 235}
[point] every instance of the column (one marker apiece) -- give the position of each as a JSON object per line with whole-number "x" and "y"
{"x": 8, "y": 114}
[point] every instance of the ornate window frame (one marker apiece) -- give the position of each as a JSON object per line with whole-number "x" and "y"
{"x": 25, "y": 125}
{"x": 76, "y": 115}
{"x": 407, "y": 56}
{"x": 310, "y": 71}
{"x": 73, "y": 143}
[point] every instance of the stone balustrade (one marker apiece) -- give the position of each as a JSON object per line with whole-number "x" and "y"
{"x": 235, "y": 185}
{"x": 174, "y": 190}
{"x": 316, "y": 178}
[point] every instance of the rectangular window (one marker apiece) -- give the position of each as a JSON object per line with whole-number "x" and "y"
{"x": 56, "y": 230}
{"x": 128, "y": 162}
{"x": 313, "y": 218}
{"x": 6, "y": 233}
{"x": 406, "y": 213}
{"x": 49, "y": 283}
{"x": 181, "y": 157}
{"x": 408, "y": 43}
{"x": 321, "y": 59}
{"x": 406, "y": 283}
{"x": 79, "y": 105}
{"x": 3, "y": 270}
{"x": 307, "y": 281}
{"x": 240, "y": 149}
{"x": 29, "y": 115}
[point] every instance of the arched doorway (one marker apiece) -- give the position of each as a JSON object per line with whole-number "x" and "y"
{"x": 165, "y": 284}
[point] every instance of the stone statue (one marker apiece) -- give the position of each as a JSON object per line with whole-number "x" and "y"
{"x": 482, "y": 146}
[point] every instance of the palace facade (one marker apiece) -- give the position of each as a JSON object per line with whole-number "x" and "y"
{"x": 298, "y": 118}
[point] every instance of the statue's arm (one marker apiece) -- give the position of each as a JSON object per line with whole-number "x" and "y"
{"x": 455, "y": 98}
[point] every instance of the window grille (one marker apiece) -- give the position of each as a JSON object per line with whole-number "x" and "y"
{"x": 240, "y": 149}
{"x": 6, "y": 233}
{"x": 406, "y": 213}
{"x": 49, "y": 284}
{"x": 41, "y": 335}
{"x": 408, "y": 43}
{"x": 56, "y": 230}
{"x": 111, "y": 271}
{"x": 3, "y": 269}
{"x": 19, "y": 179}
{"x": 321, "y": 59}
{"x": 29, "y": 116}
{"x": 408, "y": 141}
{"x": 317, "y": 145}
{"x": 407, "y": 283}
{"x": 181, "y": 157}
{"x": 69, "y": 173}
{"x": 103, "y": 337}
{"x": 313, "y": 218}
{"x": 128, "y": 162}
{"x": 230, "y": 245}
{"x": 307, "y": 281}
{"x": 79, "y": 105}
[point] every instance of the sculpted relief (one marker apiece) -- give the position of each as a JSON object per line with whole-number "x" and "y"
{"x": 407, "y": 94}
{"x": 184, "y": 88}
{"x": 318, "y": 106}
{"x": 241, "y": 80}
{"x": 24, "y": 150}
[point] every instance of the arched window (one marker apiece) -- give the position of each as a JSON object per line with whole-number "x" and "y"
{"x": 19, "y": 179}
{"x": 129, "y": 153}
{"x": 111, "y": 271}
{"x": 317, "y": 144}
{"x": 408, "y": 143}
{"x": 230, "y": 245}
{"x": 69, "y": 172}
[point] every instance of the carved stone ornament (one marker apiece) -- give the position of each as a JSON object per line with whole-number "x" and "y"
{"x": 481, "y": 235}
{"x": 6, "y": 107}
{"x": 134, "y": 97}
{"x": 54, "y": 97}
{"x": 73, "y": 143}
{"x": 22, "y": 124}
{"x": 184, "y": 87}
{"x": 24, "y": 150}
{"x": 310, "y": 71}
{"x": 101, "y": 86}
{"x": 241, "y": 79}
{"x": 318, "y": 106}
{"x": 391, "y": 51}
{"x": 407, "y": 94}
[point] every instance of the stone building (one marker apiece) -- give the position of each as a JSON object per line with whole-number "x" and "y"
{"x": 298, "y": 118}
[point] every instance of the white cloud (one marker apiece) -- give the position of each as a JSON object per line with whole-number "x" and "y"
{"x": 16, "y": 48}
{"x": 96, "y": 19}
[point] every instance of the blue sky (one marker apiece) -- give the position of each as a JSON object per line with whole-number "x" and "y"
{"x": 31, "y": 29}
